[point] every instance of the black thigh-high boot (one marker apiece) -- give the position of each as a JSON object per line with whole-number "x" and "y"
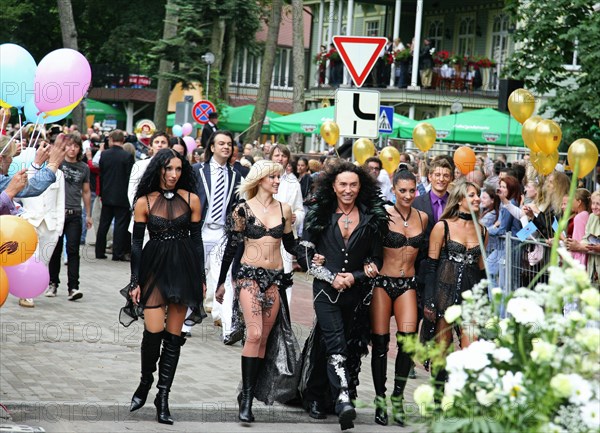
{"x": 401, "y": 370}
{"x": 166, "y": 372}
{"x": 441, "y": 377}
{"x": 250, "y": 368}
{"x": 379, "y": 370}
{"x": 150, "y": 350}
{"x": 338, "y": 379}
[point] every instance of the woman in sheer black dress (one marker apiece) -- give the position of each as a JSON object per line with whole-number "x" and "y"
{"x": 167, "y": 276}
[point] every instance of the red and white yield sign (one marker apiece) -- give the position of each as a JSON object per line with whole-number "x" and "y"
{"x": 359, "y": 54}
{"x": 201, "y": 110}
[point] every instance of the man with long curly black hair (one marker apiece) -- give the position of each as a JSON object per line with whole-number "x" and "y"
{"x": 344, "y": 229}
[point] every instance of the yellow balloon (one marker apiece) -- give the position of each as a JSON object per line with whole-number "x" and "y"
{"x": 528, "y": 133}
{"x": 543, "y": 163}
{"x": 18, "y": 240}
{"x": 547, "y": 136}
{"x": 424, "y": 136}
{"x": 390, "y": 158}
{"x": 521, "y": 105}
{"x": 3, "y": 287}
{"x": 63, "y": 110}
{"x": 4, "y": 104}
{"x": 585, "y": 152}
{"x": 363, "y": 149}
{"x": 330, "y": 131}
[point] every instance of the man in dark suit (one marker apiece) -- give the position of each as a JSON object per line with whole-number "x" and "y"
{"x": 217, "y": 181}
{"x": 115, "y": 169}
{"x": 236, "y": 161}
{"x": 209, "y": 128}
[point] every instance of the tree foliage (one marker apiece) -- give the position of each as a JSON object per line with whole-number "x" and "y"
{"x": 547, "y": 34}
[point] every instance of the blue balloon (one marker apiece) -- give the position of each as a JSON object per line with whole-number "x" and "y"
{"x": 31, "y": 113}
{"x": 177, "y": 130}
{"x": 17, "y": 74}
{"x": 23, "y": 160}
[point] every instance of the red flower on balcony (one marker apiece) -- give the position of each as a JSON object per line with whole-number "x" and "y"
{"x": 441, "y": 57}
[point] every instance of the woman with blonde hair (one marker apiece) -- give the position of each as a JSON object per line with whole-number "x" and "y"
{"x": 547, "y": 205}
{"x": 262, "y": 224}
{"x": 454, "y": 264}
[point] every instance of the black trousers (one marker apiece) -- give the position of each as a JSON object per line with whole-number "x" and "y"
{"x": 121, "y": 237}
{"x": 72, "y": 230}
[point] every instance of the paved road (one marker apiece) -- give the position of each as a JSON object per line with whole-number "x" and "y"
{"x": 69, "y": 366}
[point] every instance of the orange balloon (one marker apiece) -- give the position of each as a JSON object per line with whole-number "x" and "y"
{"x": 465, "y": 160}
{"x": 547, "y": 136}
{"x": 390, "y": 158}
{"x": 3, "y": 287}
{"x": 18, "y": 240}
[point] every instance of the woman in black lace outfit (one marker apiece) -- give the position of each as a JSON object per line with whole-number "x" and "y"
{"x": 167, "y": 276}
{"x": 454, "y": 264}
{"x": 262, "y": 223}
{"x": 394, "y": 293}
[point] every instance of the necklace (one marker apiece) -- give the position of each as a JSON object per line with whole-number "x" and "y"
{"x": 265, "y": 208}
{"x": 168, "y": 193}
{"x": 465, "y": 216}
{"x": 347, "y": 221}
{"x": 402, "y": 216}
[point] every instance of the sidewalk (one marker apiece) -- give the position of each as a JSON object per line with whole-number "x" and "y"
{"x": 70, "y": 366}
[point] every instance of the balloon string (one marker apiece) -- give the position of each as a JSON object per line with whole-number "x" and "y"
{"x": 21, "y": 130}
{"x": 32, "y": 143}
{"x": 10, "y": 141}
{"x": 3, "y": 118}
{"x": 246, "y": 130}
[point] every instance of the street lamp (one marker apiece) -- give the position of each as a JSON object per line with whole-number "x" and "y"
{"x": 209, "y": 59}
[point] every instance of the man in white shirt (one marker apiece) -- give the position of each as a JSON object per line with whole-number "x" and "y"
{"x": 290, "y": 193}
{"x": 217, "y": 183}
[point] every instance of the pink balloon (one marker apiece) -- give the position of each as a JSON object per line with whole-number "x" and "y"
{"x": 190, "y": 143}
{"x": 187, "y": 128}
{"x": 62, "y": 78}
{"x": 28, "y": 279}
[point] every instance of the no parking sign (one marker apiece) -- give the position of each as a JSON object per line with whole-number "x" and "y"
{"x": 201, "y": 110}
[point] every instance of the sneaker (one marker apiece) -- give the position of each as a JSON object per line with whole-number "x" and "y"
{"x": 26, "y": 302}
{"x": 74, "y": 295}
{"x": 51, "y": 291}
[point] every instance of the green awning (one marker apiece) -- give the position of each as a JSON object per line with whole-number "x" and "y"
{"x": 102, "y": 111}
{"x": 485, "y": 126}
{"x": 309, "y": 122}
{"x": 237, "y": 119}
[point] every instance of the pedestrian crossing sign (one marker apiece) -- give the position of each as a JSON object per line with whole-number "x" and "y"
{"x": 386, "y": 119}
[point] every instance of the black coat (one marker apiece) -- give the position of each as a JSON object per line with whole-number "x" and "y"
{"x": 207, "y": 131}
{"x": 115, "y": 168}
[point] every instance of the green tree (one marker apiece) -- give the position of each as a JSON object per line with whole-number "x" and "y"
{"x": 548, "y": 33}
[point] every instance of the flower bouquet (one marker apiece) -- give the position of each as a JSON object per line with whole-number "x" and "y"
{"x": 320, "y": 59}
{"x": 402, "y": 55}
{"x": 441, "y": 57}
{"x": 537, "y": 370}
{"x": 334, "y": 56}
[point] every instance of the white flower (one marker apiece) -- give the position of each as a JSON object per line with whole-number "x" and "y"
{"x": 452, "y": 313}
{"x": 589, "y": 338}
{"x": 456, "y": 361}
{"x": 502, "y": 354}
{"x": 423, "y": 395}
{"x": 590, "y": 414}
{"x": 552, "y": 428}
{"x": 447, "y": 402}
{"x": 512, "y": 383}
{"x": 581, "y": 391}
{"x": 525, "y": 311}
{"x": 486, "y": 398}
{"x": 457, "y": 381}
{"x": 496, "y": 292}
{"x": 482, "y": 346}
{"x": 561, "y": 384}
{"x": 503, "y": 325}
{"x": 576, "y": 317}
{"x": 476, "y": 360}
{"x": 542, "y": 351}
{"x": 489, "y": 375}
{"x": 591, "y": 312}
{"x": 591, "y": 297}
{"x": 467, "y": 294}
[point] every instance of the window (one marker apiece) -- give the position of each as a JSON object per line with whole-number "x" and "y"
{"x": 283, "y": 68}
{"x": 435, "y": 33}
{"x": 466, "y": 35}
{"x": 372, "y": 28}
{"x": 500, "y": 38}
{"x": 252, "y": 69}
{"x": 571, "y": 63}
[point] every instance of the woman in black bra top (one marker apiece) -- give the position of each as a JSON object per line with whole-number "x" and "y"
{"x": 261, "y": 223}
{"x": 454, "y": 265}
{"x": 394, "y": 292}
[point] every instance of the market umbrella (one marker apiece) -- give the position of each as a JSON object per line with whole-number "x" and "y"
{"x": 237, "y": 119}
{"x": 485, "y": 126}
{"x": 102, "y": 111}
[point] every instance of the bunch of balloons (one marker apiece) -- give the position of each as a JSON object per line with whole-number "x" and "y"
{"x": 184, "y": 131}
{"x": 47, "y": 92}
{"x": 20, "y": 273}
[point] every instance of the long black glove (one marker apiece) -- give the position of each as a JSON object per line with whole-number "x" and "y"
{"x": 234, "y": 239}
{"x": 289, "y": 243}
{"x": 196, "y": 236}
{"x": 429, "y": 276}
{"x": 137, "y": 241}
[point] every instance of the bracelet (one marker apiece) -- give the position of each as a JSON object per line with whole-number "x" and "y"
{"x": 37, "y": 167}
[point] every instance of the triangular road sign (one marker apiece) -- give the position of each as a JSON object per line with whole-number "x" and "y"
{"x": 359, "y": 54}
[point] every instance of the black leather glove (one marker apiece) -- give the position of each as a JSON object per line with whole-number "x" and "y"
{"x": 137, "y": 241}
{"x": 196, "y": 235}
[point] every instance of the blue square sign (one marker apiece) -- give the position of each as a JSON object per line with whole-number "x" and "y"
{"x": 386, "y": 119}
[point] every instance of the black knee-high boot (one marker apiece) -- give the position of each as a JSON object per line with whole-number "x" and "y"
{"x": 150, "y": 351}
{"x": 250, "y": 368}
{"x": 379, "y": 370}
{"x": 338, "y": 380}
{"x": 166, "y": 372}
{"x": 401, "y": 370}
{"x": 441, "y": 377}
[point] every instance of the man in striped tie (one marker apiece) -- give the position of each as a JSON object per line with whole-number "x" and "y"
{"x": 216, "y": 187}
